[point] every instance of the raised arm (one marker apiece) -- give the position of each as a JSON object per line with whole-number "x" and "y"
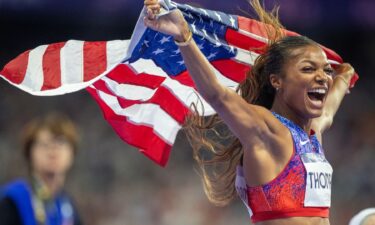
{"x": 344, "y": 74}
{"x": 240, "y": 116}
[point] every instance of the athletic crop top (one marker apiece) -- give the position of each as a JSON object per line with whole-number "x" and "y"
{"x": 302, "y": 189}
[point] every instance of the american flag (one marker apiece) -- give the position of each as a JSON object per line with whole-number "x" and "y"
{"x": 141, "y": 84}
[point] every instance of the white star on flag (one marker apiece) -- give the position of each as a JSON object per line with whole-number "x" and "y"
{"x": 232, "y": 21}
{"x": 158, "y": 51}
{"x": 212, "y": 55}
{"x": 165, "y": 39}
{"x": 218, "y": 16}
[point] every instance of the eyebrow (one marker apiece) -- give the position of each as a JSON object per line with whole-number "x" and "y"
{"x": 312, "y": 62}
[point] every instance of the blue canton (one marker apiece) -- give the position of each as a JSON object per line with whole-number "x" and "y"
{"x": 209, "y": 29}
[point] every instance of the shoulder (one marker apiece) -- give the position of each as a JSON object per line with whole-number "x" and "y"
{"x": 268, "y": 124}
{"x": 276, "y": 129}
{"x": 19, "y": 193}
{"x": 274, "y": 136}
{"x": 19, "y": 187}
{"x": 7, "y": 204}
{"x": 17, "y": 183}
{"x": 8, "y": 212}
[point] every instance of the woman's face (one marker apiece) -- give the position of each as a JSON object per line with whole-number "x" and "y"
{"x": 305, "y": 81}
{"x": 51, "y": 154}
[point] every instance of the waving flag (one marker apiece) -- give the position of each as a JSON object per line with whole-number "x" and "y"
{"x": 142, "y": 85}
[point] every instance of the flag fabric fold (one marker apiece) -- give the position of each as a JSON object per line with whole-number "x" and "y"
{"x": 142, "y": 85}
{"x": 63, "y": 67}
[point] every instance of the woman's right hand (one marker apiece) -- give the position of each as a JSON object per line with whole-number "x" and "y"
{"x": 172, "y": 24}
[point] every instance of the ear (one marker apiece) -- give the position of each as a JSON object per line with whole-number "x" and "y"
{"x": 275, "y": 81}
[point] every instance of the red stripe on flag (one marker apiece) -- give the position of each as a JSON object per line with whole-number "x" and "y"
{"x": 162, "y": 97}
{"x": 184, "y": 78}
{"x": 166, "y": 100}
{"x": 242, "y": 41}
{"x": 332, "y": 54}
{"x": 15, "y": 70}
{"x": 52, "y": 66}
{"x": 252, "y": 26}
{"x": 170, "y": 104}
{"x": 122, "y": 73}
{"x": 354, "y": 80}
{"x": 140, "y": 136}
{"x": 124, "y": 103}
{"x": 102, "y": 86}
{"x": 258, "y": 28}
{"x": 94, "y": 59}
{"x": 233, "y": 70}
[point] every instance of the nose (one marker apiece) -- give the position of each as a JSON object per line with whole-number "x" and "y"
{"x": 321, "y": 77}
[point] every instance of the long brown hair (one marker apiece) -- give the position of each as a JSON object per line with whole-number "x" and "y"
{"x": 216, "y": 150}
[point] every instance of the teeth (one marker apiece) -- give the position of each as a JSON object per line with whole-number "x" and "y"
{"x": 319, "y": 91}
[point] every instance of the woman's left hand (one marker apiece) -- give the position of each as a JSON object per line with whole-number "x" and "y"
{"x": 346, "y": 71}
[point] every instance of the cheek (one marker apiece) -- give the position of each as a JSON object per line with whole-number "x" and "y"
{"x": 297, "y": 85}
{"x": 37, "y": 157}
{"x": 66, "y": 157}
{"x": 294, "y": 96}
{"x": 294, "y": 91}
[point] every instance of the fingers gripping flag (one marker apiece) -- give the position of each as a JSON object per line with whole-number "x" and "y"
{"x": 142, "y": 85}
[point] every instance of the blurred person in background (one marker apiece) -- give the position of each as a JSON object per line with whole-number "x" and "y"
{"x": 364, "y": 217}
{"x": 286, "y": 103}
{"x": 49, "y": 145}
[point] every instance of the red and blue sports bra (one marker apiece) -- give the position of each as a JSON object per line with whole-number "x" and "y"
{"x": 302, "y": 189}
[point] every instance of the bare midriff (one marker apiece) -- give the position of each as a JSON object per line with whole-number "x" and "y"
{"x": 297, "y": 221}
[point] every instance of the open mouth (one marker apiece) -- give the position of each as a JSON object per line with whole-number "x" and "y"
{"x": 317, "y": 94}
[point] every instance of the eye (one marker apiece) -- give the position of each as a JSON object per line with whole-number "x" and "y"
{"x": 329, "y": 71}
{"x": 61, "y": 140}
{"x": 308, "y": 69}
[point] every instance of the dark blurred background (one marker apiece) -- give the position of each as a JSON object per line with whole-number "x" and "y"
{"x": 113, "y": 183}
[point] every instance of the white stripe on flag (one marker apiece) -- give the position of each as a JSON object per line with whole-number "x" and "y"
{"x": 147, "y": 66}
{"x": 72, "y": 62}
{"x": 253, "y": 36}
{"x": 130, "y": 92}
{"x": 34, "y": 76}
{"x": 146, "y": 114}
{"x": 116, "y": 52}
{"x": 245, "y": 57}
{"x": 330, "y": 61}
{"x": 265, "y": 40}
{"x": 187, "y": 95}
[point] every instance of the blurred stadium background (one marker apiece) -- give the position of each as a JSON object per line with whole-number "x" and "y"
{"x": 112, "y": 183}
